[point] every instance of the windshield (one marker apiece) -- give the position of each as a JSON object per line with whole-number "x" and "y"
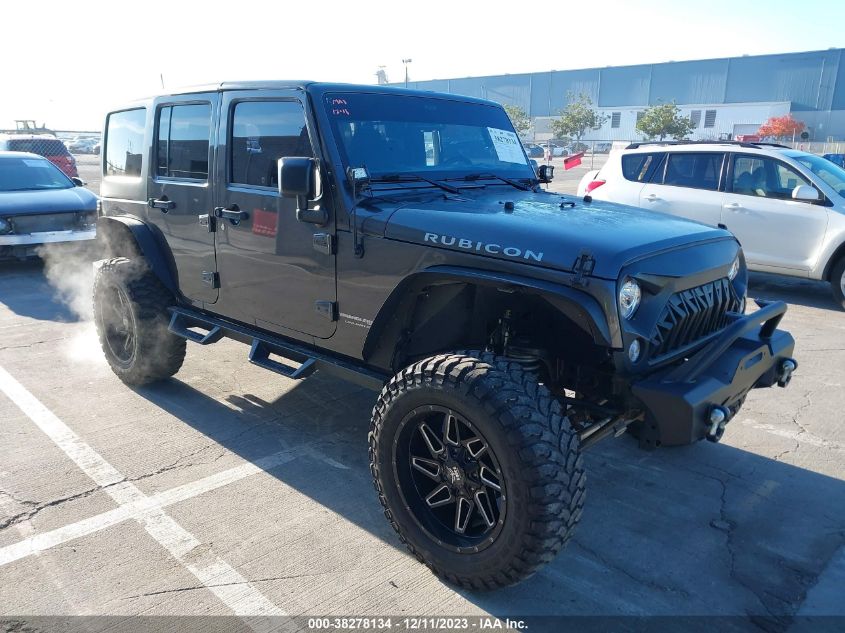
{"x": 407, "y": 135}
{"x": 830, "y": 173}
{"x": 31, "y": 174}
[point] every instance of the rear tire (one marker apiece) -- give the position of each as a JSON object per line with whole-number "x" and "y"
{"x": 494, "y": 442}
{"x": 130, "y": 312}
{"x": 837, "y": 282}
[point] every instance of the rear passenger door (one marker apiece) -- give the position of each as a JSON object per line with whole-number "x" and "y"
{"x": 275, "y": 272}
{"x": 775, "y": 230}
{"x": 179, "y": 197}
{"x": 687, "y": 186}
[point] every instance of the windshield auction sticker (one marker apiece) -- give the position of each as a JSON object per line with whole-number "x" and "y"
{"x": 507, "y": 145}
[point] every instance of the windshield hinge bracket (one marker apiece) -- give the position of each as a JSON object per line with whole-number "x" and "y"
{"x": 583, "y": 267}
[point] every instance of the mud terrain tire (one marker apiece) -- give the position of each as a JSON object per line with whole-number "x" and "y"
{"x": 529, "y": 442}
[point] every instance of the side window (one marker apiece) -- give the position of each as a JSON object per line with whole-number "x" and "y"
{"x": 263, "y": 132}
{"x": 640, "y": 167}
{"x": 764, "y": 177}
{"x": 695, "y": 170}
{"x": 124, "y": 142}
{"x": 182, "y": 144}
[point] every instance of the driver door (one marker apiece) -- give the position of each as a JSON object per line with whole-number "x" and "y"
{"x": 275, "y": 272}
{"x": 775, "y": 231}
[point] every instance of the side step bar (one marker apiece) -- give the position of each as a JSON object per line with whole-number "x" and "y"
{"x": 259, "y": 354}
{"x": 263, "y": 345}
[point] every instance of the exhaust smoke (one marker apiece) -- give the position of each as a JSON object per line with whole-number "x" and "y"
{"x": 69, "y": 269}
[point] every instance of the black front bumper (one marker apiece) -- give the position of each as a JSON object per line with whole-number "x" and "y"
{"x": 750, "y": 353}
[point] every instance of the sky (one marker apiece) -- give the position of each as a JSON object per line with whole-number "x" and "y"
{"x": 82, "y": 58}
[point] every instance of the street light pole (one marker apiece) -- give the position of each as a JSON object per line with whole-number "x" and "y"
{"x": 406, "y": 62}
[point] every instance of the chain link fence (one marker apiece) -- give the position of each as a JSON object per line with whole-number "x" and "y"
{"x": 46, "y": 145}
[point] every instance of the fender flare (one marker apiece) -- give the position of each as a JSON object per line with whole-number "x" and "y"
{"x": 159, "y": 258}
{"x": 580, "y": 307}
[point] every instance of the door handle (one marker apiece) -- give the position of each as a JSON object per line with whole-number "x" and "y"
{"x": 733, "y": 206}
{"x": 231, "y": 213}
{"x": 164, "y": 204}
{"x": 652, "y": 198}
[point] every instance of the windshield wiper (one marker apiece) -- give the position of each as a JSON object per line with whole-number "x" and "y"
{"x": 415, "y": 178}
{"x": 513, "y": 183}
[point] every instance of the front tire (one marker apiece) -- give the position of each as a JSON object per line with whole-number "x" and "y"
{"x": 477, "y": 469}
{"x": 130, "y": 312}
{"x": 837, "y": 282}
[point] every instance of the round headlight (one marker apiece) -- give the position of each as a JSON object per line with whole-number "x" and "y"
{"x": 734, "y": 271}
{"x": 629, "y": 298}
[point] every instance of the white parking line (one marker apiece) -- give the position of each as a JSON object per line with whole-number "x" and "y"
{"x": 221, "y": 579}
{"x": 135, "y": 509}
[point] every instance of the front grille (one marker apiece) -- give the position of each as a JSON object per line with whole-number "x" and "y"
{"x": 39, "y": 223}
{"x": 691, "y": 315}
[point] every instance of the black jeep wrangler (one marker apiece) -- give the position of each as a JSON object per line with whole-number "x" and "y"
{"x": 402, "y": 240}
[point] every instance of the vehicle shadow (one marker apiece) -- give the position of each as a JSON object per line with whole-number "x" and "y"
{"x": 698, "y": 530}
{"x": 24, "y": 289}
{"x": 805, "y": 292}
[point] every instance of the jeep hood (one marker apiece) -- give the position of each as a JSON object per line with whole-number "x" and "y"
{"x": 541, "y": 229}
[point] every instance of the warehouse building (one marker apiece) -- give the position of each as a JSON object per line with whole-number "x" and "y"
{"x": 723, "y": 97}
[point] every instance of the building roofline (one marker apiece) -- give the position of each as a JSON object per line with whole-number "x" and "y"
{"x": 643, "y": 65}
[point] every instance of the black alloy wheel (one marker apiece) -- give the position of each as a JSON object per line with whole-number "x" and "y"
{"x": 450, "y": 478}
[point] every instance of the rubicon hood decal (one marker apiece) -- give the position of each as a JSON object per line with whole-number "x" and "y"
{"x": 484, "y": 247}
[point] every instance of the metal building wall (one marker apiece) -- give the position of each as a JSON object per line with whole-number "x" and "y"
{"x": 814, "y": 82}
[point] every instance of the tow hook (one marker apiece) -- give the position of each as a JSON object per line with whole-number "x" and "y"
{"x": 785, "y": 371}
{"x": 719, "y": 417}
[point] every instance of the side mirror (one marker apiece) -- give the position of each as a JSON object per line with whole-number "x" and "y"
{"x": 546, "y": 173}
{"x": 805, "y": 193}
{"x": 299, "y": 177}
{"x": 296, "y": 177}
{"x": 77, "y": 181}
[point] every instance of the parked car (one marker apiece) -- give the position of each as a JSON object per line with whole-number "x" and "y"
{"x": 577, "y": 147}
{"x": 533, "y": 150}
{"x": 506, "y": 329}
{"x": 557, "y": 150}
{"x": 82, "y": 145}
{"x": 601, "y": 148}
{"x": 96, "y": 148}
{"x": 837, "y": 159}
{"x": 786, "y": 207}
{"x": 39, "y": 204}
{"x": 44, "y": 145}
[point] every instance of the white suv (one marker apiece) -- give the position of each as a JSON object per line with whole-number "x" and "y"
{"x": 786, "y": 207}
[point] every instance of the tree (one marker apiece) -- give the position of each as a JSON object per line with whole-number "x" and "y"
{"x": 577, "y": 117}
{"x": 521, "y": 121}
{"x": 781, "y": 127}
{"x": 662, "y": 120}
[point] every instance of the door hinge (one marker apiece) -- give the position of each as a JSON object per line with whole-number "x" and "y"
{"x": 211, "y": 278}
{"x": 583, "y": 267}
{"x": 207, "y": 220}
{"x": 326, "y": 309}
{"x": 324, "y": 243}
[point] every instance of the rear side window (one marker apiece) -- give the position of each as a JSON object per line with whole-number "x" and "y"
{"x": 182, "y": 144}
{"x": 695, "y": 170}
{"x": 124, "y": 140}
{"x": 640, "y": 167}
{"x": 263, "y": 132}
{"x": 42, "y": 147}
